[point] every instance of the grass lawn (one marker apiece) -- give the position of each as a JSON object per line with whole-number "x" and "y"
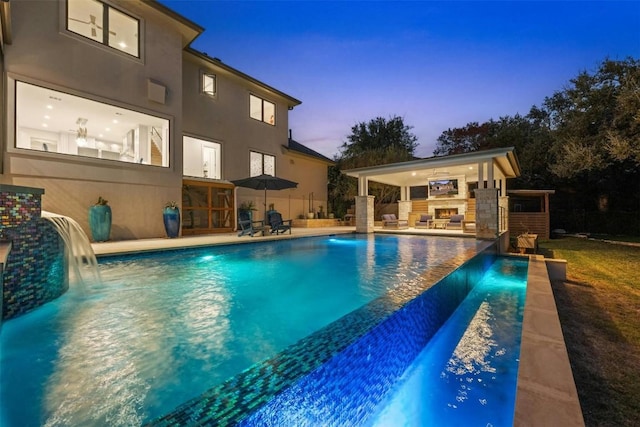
{"x": 599, "y": 309}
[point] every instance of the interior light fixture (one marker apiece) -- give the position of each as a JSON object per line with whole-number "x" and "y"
{"x": 81, "y": 136}
{"x": 122, "y": 45}
{"x": 413, "y": 174}
{"x": 49, "y": 107}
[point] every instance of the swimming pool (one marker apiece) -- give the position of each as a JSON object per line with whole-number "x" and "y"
{"x": 131, "y": 350}
{"x": 468, "y": 370}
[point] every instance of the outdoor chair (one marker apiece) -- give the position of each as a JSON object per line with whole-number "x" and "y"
{"x": 456, "y": 221}
{"x": 247, "y": 225}
{"x": 278, "y": 225}
{"x": 390, "y": 221}
{"x": 425, "y": 221}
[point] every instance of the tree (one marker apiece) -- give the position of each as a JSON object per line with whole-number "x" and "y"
{"x": 595, "y": 120}
{"x": 379, "y": 141}
{"x": 583, "y": 141}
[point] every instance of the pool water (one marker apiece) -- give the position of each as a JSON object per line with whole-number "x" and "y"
{"x": 467, "y": 374}
{"x": 165, "y": 327}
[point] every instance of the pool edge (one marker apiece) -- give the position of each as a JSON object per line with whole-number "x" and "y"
{"x": 546, "y": 392}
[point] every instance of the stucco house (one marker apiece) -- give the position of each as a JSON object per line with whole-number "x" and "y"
{"x": 107, "y": 98}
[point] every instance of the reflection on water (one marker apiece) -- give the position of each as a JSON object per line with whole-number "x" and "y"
{"x": 470, "y": 356}
{"x": 467, "y": 373}
{"x": 164, "y": 328}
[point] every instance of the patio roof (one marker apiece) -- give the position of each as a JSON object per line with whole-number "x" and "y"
{"x": 417, "y": 172}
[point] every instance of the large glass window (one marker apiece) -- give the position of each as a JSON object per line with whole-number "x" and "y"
{"x": 201, "y": 158}
{"x": 57, "y": 122}
{"x": 104, "y": 24}
{"x": 262, "y": 164}
{"x": 262, "y": 110}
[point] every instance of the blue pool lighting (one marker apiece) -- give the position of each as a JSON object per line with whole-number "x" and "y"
{"x": 302, "y": 330}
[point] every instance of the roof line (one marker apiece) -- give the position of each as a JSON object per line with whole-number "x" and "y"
{"x": 462, "y": 158}
{"x": 293, "y": 101}
{"x": 175, "y": 15}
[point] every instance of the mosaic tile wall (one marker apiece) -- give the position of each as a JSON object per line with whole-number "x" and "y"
{"x": 35, "y": 271}
{"x": 339, "y": 374}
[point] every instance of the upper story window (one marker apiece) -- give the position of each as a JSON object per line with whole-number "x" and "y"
{"x": 104, "y": 24}
{"x": 262, "y": 164}
{"x": 209, "y": 84}
{"x": 262, "y": 110}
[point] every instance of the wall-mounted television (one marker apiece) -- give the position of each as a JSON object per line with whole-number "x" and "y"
{"x": 443, "y": 188}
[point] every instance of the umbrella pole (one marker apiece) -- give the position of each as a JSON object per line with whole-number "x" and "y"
{"x": 266, "y": 220}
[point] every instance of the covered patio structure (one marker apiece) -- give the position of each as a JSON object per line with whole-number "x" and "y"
{"x": 470, "y": 184}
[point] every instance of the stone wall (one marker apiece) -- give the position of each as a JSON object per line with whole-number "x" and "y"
{"x": 487, "y": 217}
{"x": 364, "y": 214}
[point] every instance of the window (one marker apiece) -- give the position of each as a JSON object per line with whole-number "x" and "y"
{"x": 104, "y": 24}
{"x": 262, "y": 164}
{"x": 57, "y": 122}
{"x": 262, "y": 110}
{"x": 209, "y": 84}
{"x": 201, "y": 158}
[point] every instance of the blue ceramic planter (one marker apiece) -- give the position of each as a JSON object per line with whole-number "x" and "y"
{"x": 100, "y": 222}
{"x": 171, "y": 217}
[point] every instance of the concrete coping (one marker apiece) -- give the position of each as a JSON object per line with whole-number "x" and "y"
{"x": 546, "y": 392}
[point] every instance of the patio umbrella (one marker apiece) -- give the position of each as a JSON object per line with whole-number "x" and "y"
{"x": 265, "y": 182}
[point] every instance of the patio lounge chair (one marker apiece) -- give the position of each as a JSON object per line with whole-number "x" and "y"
{"x": 455, "y": 221}
{"x": 390, "y": 221}
{"x": 247, "y": 225}
{"x": 278, "y": 225}
{"x": 425, "y": 221}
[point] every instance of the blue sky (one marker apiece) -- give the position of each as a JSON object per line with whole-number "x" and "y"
{"x": 438, "y": 65}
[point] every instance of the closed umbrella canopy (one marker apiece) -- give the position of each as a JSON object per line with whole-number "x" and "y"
{"x": 265, "y": 182}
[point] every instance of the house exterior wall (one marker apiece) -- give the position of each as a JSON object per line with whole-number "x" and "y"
{"x": 225, "y": 119}
{"x": 43, "y": 53}
{"x": 311, "y": 176}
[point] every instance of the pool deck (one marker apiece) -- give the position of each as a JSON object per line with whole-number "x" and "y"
{"x": 145, "y": 245}
{"x": 546, "y": 392}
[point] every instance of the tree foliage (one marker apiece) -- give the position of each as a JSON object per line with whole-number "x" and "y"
{"x": 379, "y": 141}
{"x": 584, "y": 139}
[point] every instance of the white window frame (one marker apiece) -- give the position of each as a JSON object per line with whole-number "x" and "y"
{"x": 195, "y": 159}
{"x": 106, "y": 30}
{"x": 204, "y": 75}
{"x": 271, "y": 120}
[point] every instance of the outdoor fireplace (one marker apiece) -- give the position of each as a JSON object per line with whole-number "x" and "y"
{"x": 445, "y": 213}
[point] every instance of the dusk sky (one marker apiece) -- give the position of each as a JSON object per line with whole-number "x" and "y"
{"x": 438, "y": 65}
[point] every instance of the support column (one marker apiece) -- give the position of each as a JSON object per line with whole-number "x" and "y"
{"x": 404, "y": 207}
{"x": 364, "y": 214}
{"x": 487, "y": 214}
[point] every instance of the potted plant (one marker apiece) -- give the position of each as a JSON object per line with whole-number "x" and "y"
{"x": 100, "y": 220}
{"x": 171, "y": 218}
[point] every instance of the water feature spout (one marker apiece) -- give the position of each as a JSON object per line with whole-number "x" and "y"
{"x": 80, "y": 255}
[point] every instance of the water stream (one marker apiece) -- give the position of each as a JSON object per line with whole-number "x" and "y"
{"x": 80, "y": 256}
